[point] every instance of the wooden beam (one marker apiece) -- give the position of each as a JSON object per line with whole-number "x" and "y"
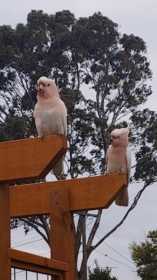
{"x": 95, "y": 192}
{"x": 29, "y": 158}
{"x": 35, "y": 263}
{"x": 84, "y": 194}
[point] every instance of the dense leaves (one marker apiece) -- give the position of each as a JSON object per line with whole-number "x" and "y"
{"x": 145, "y": 140}
{"x": 145, "y": 257}
{"x": 101, "y": 274}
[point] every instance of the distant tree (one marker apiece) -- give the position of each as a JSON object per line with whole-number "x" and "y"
{"x": 104, "y": 77}
{"x": 145, "y": 257}
{"x": 101, "y": 274}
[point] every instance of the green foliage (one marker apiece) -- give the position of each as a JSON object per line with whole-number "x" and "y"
{"x": 145, "y": 138}
{"x": 20, "y": 127}
{"x": 145, "y": 257}
{"x": 101, "y": 274}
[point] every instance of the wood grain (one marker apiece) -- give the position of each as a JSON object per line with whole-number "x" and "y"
{"x": 84, "y": 194}
{"x": 29, "y": 158}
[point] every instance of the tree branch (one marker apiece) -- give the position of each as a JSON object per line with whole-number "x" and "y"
{"x": 133, "y": 205}
{"x": 78, "y": 235}
{"x": 94, "y": 229}
{"x": 34, "y": 226}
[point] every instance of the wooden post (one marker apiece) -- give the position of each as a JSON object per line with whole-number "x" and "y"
{"x": 62, "y": 232}
{"x": 5, "y": 264}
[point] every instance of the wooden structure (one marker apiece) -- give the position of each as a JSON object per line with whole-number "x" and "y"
{"x": 24, "y": 160}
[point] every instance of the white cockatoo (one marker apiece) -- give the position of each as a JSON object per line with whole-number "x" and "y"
{"x": 50, "y": 115}
{"x": 118, "y": 159}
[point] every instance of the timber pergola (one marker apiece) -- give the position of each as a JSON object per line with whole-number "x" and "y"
{"x": 25, "y": 160}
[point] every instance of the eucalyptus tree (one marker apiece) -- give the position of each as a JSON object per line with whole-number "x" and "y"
{"x": 145, "y": 256}
{"x": 104, "y": 77}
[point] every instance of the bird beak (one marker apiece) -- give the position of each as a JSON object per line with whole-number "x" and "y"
{"x": 40, "y": 90}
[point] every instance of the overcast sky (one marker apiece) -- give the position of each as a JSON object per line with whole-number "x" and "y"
{"x": 140, "y": 18}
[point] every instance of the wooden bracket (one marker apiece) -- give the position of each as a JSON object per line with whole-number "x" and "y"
{"x": 30, "y": 158}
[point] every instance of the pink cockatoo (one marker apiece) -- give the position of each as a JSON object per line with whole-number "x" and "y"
{"x": 50, "y": 115}
{"x": 118, "y": 159}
